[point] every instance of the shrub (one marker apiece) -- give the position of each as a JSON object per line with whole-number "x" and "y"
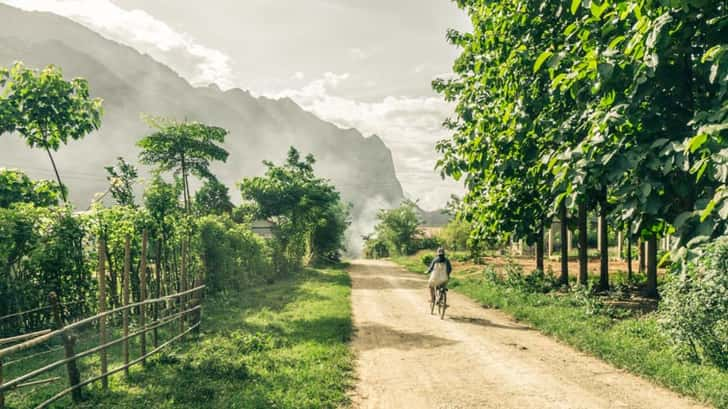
{"x": 695, "y": 308}
{"x": 427, "y": 259}
{"x": 232, "y": 254}
{"x": 427, "y": 243}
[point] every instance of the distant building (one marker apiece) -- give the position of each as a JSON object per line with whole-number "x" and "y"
{"x": 262, "y": 228}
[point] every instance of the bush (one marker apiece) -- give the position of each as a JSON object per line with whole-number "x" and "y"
{"x": 427, "y": 259}
{"x": 41, "y": 250}
{"x": 455, "y": 235}
{"x": 427, "y": 243}
{"x": 232, "y": 254}
{"x": 695, "y": 308}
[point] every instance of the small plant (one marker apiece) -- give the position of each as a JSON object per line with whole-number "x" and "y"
{"x": 491, "y": 276}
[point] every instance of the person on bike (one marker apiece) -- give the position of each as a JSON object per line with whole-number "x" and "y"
{"x": 439, "y": 272}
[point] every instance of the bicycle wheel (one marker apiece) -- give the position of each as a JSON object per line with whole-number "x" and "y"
{"x": 439, "y": 301}
{"x": 444, "y": 304}
{"x": 432, "y": 305}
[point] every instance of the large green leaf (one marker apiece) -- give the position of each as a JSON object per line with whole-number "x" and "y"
{"x": 575, "y": 6}
{"x": 542, "y": 59}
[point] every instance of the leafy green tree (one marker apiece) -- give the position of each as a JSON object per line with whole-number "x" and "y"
{"x": 399, "y": 227}
{"x": 504, "y": 128}
{"x": 184, "y": 148}
{"x": 45, "y": 109}
{"x": 17, "y": 187}
{"x": 213, "y": 198}
{"x": 328, "y": 236}
{"x": 456, "y": 234}
{"x": 305, "y": 209}
{"x": 656, "y": 145}
{"x": 122, "y": 178}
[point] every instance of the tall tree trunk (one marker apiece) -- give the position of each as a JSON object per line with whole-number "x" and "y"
{"x": 629, "y": 255}
{"x": 600, "y": 223}
{"x": 58, "y": 177}
{"x": 620, "y": 245}
{"x": 564, "y": 279}
{"x": 550, "y": 245}
{"x": 539, "y": 249}
{"x": 642, "y": 262}
{"x": 583, "y": 242}
{"x": 652, "y": 267}
{"x": 604, "y": 248}
{"x": 569, "y": 240}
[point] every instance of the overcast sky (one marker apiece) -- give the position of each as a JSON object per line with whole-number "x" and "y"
{"x": 366, "y": 64}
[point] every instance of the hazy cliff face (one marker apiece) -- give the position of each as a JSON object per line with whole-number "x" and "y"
{"x": 131, "y": 83}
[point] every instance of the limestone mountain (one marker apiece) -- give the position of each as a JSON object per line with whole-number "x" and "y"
{"x": 132, "y": 83}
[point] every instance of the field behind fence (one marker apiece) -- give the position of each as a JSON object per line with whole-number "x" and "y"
{"x": 25, "y": 358}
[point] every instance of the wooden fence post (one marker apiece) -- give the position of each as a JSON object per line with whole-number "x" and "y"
{"x": 125, "y": 300}
{"x": 74, "y": 377}
{"x": 157, "y": 290}
{"x": 143, "y": 295}
{"x": 2, "y": 394}
{"x": 101, "y": 276}
{"x": 197, "y": 318}
{"x": 183, "y": 285}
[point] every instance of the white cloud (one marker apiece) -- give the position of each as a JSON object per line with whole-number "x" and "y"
{"x": 201, "y": 65}
{"x": 410, "y": 126}
{"x": 358, "y": 54}
{"x": 298, "y": 75}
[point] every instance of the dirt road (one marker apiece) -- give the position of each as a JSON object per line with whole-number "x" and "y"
{"x": 475, "y": 358}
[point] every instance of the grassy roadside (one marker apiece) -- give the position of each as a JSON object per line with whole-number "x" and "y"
{"x": 283, "y": 345}
{"x": 626, "y": 339}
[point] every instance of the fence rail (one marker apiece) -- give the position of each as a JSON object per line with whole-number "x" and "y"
{"x": 186, "y": 308}
{"x": 43, "y": 308}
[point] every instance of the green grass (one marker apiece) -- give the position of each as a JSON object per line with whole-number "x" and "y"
{"x": 284, "y": 345}
{"x": 634, "y": 342}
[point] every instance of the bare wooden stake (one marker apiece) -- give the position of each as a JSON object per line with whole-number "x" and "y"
{"x": 125, "y": 300}
{"x": 157, "y": 290}
{"x": 197, "y": 314}
{"x": 143, "y": 294}
{"x": 101, "y": 276}
{"x": 74, "y": 377}
{"x": 183, "y": 284}
{"x": 2, "y": 394}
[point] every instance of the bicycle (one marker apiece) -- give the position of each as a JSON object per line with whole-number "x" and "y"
{"x": 440, "y": 302}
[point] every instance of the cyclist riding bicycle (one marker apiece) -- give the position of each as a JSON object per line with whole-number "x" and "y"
{"x": 439, "y": 272}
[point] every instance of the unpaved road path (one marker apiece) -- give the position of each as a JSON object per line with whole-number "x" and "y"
{"x": 475, "y": 358}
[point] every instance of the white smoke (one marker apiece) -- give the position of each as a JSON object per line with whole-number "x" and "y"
{"x": 363, "y": 225}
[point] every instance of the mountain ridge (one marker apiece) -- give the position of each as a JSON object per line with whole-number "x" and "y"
{"x": 131, "y": 83}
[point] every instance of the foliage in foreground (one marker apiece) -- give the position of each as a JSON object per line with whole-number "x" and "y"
{"x": 273, "y": 346}
{"x": 695, "y": 310}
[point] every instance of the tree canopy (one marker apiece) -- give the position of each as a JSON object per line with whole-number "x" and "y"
{"x": 17, "y": 187}
{"x": 576, "y": 104}
{"x": 122, "y": 178}
{"x": 45, "y": 109}
{"x": 306, "y": 210}
{"x": 184, "y": 148}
